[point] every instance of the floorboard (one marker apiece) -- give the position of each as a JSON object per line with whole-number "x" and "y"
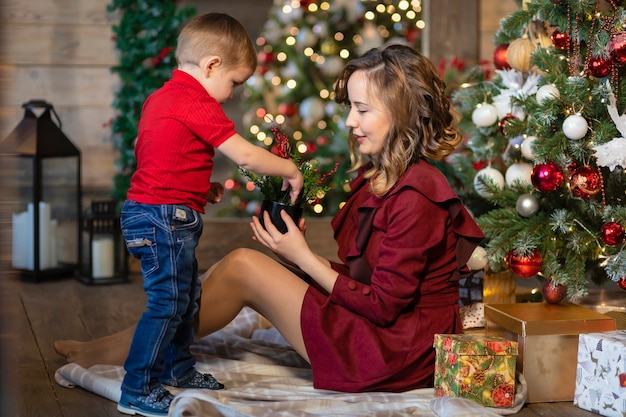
{"x": 36, "y": 314}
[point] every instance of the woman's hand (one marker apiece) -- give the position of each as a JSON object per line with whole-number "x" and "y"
{"x": 289, "y": 246}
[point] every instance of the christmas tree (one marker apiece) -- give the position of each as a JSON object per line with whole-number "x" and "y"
{"x": 546, "y": 153}
{"x": 145, "y": 38}
{"x": 302, "y": 48}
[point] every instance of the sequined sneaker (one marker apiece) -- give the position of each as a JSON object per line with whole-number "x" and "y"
{"x": 200, "y": 380}
{"x": 156, "y": 404}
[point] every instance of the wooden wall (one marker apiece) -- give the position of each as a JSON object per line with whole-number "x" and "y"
{"x": 61, "y": 51}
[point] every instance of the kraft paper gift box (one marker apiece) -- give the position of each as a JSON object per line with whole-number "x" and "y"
{"x": 547, "y": 335}
{"x": 474, "y": 366}
{"x": 601, "y": 373}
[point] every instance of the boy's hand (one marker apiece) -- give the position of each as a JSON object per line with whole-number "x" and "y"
{"x": 215, "y": 193}
{"x": 296, "y": 183}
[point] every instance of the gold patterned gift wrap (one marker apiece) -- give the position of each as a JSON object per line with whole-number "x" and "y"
{"x": 601, "y": 373}
{"x": 475, "y": 366}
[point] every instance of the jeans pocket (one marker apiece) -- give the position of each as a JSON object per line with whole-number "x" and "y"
{"x": 187, "y": 224}
{"x": 141, "y": 244}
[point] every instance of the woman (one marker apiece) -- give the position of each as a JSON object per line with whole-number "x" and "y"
{"x": 403, "y": 237}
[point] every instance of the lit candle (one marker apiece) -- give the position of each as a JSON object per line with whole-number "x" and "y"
{"x": 102, "y": 261}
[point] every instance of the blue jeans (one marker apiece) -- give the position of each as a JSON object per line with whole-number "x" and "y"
{"x": 164, "y": 238}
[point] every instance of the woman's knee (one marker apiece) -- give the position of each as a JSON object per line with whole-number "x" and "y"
{"x": 241, "y": 264}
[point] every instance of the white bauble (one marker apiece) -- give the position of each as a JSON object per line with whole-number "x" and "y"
{"x": 490, "y": 173}
{"x": 518, "y": 172}
{"x": 331, "y": 65}
{"x": 478, "y": 260}
{"x": 485, "y": 115}
{"x": 527, "y": 147}
{"x": 547, "y": 92}
{"x": 311, "y": 109}
{"x": 575, "y": 127}
{"x": 305, "y": 38}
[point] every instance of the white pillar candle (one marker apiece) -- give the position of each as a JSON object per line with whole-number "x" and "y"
{"x": 20, "y": 241}
{"x": 103, "y": 260}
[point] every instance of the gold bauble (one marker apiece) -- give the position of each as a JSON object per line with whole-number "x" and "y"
{"x": 518, "y": 54}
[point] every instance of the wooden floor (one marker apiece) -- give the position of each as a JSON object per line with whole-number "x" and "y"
{"x": 35, "y": 314}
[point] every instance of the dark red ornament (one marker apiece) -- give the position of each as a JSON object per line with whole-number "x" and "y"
{"x": 500, "y": 60}
{"x": 288, "y": 109}
{"x": 616, "y": 48}
{"x": 412, "y": 34}
{"x": 612, "y": 233}
{"x": 553, "y": 294}
{"x": 502, "y": 123}
{"x": 599, "y": 67}
{"x": 585, "y": 182}
{"x": 525, "y": 266}
{"x": 265, "y": 57}
{"x": 546, "y": 177}
{"x": 622, "y": 283}
{"x": 560, "y": 40}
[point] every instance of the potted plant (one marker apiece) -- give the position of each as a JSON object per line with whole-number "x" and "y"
{"x": 274, "y": 198}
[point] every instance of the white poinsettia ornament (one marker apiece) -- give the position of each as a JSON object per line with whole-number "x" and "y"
{"x": 514, "y": 85}
{"x": 613, "y": 153}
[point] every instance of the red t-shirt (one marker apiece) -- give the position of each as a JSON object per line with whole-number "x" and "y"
{"x": 180, "y": 127}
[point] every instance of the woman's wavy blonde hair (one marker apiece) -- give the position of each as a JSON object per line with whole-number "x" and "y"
{"x": 423, "y": 121}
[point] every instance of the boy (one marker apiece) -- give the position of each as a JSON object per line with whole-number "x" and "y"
{"x": 181, "y": 125}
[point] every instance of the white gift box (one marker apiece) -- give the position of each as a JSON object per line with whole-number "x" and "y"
{"x": 601, "y": 373}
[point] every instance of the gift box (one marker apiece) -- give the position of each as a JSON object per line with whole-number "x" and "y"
{"x": 547, "y": 336}
{"x": 478, "y": 367}
{"x": 601, "y": 373}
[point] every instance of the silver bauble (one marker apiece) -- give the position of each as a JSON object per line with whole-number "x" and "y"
{"x": 527, "y": 205}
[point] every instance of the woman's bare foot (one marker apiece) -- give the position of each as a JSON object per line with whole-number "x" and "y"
{"x": 109, "y": 350}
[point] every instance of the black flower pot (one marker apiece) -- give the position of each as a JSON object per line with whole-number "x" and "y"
{"x": 273, "y": 208}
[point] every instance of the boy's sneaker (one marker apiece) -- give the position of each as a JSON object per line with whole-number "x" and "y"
{"x": 200, "y": 380}
{"x": 156, "y": 404}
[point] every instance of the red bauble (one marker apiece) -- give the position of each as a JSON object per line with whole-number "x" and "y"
{"x": 612, "y": 233}
{"x": 500, "y": 60}
{"x": 560, "y": 40}
{"x": 502, "y": 123}
{"x": 546, "y": 177}
{"x": 622, "y": 283}
{"x": 524, "y": 266}
{"x": 553, "y": 294}
{"x": 265, "y": 57}
{"x": 585, "y": 182}
{"x": 616, "y": 47}
{"x": 288, "y": 109}
{"x": 599, "y": 67}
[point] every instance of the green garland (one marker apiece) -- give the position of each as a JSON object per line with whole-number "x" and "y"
{"x": 145, "y": 38}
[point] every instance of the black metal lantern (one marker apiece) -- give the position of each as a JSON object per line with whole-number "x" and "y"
{"x": 45, "y": 169}
{"x": 104, "y": 257}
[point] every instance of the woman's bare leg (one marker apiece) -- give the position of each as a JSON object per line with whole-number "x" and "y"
{"x": 246, "y": 277}
{"x": 111, "y": 350}
{"x": 243, "y": 278}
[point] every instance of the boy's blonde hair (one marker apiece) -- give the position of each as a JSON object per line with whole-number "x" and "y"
{"x": 215, "y": 34}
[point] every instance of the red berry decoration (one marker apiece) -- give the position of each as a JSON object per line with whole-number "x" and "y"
{"x": 500, "y": 60}
{"x": 560, "y": 39}
{"x": 616, "y": 47}
{"x": 553, "y": 294}
{"x": 585, "y": 182}
{"x": 546, "y": 177}
{"x": 622, "y": 283}
{"x": 612, "y": 233}
{"x": 524, "y": 266}
{"x": 599, "y": 67}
